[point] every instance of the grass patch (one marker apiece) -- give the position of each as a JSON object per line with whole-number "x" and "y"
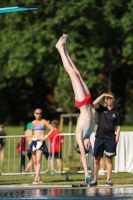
{"x": 119, "y": 178}
{"x": 10, "y": 149}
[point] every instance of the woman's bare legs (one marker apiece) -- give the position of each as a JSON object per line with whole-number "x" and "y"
{"x": 79, "y": 90}
{"x": 29, "y": 166}
{"x": 37, "y": 157}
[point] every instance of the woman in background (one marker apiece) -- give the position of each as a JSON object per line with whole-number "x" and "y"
{"x": 39, "y": 126}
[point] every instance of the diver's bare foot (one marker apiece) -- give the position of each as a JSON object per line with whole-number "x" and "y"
{"x": 61, "y": 41}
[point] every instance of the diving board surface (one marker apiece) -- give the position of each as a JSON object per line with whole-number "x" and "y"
{"x": 16, "y": 9}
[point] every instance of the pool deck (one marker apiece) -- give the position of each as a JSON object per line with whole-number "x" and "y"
{"x": 30, "y": 186}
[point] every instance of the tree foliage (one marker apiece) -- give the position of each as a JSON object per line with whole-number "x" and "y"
{"x": 100, "y": 43}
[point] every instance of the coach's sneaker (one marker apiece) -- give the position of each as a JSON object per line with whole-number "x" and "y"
{"x": 88, "y": 180}
{"x": 109, "y": 183}
{"x": 93, "y": 183}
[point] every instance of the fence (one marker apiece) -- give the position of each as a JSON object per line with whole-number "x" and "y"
{"x": 71, "y": 162}
{"x": 11, "y": 164}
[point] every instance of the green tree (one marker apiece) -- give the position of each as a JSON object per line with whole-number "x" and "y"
{"x": 64, "y": 93}
{"x": 100, "y": 43}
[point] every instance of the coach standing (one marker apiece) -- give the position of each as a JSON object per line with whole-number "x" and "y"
{"x": 109, "y": 122}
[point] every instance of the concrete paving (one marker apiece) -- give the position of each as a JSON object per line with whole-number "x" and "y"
{"x": 25, "y": 186}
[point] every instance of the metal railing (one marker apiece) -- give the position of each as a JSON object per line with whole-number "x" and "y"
{"x": 71, "y": 161}
{"x": 11, "y": 163}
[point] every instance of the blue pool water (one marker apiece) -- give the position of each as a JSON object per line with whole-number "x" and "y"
{"x": 68, "y": 193}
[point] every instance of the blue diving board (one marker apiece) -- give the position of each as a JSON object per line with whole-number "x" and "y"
{"x": 16, "y": 9}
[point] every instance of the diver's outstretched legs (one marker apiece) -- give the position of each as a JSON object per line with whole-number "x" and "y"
{"x": 77, "y": 72}
{"x": 78, "y": 87}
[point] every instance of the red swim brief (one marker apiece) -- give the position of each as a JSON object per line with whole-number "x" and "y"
{"x": 87, "y": 100}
